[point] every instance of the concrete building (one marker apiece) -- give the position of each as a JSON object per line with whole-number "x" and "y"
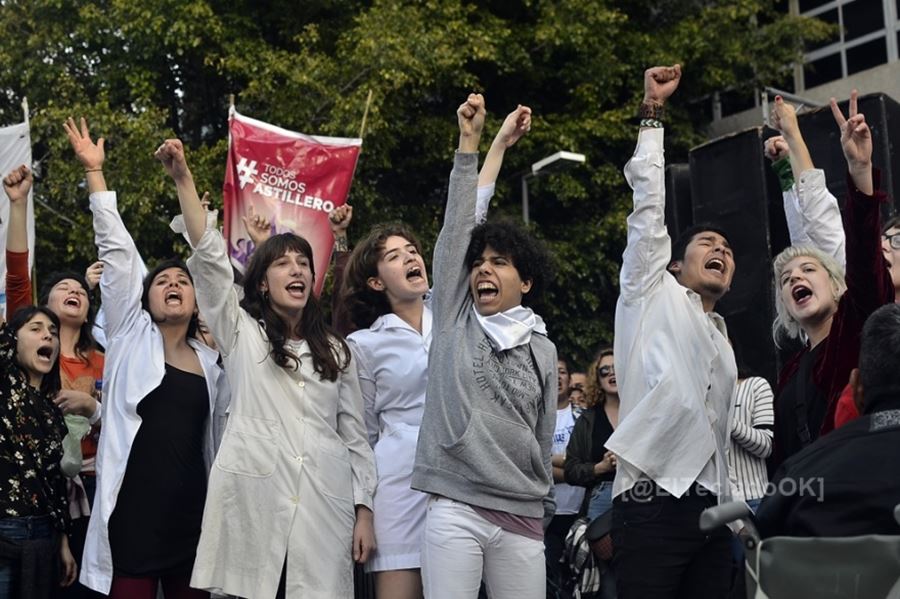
{"x": 862, "y": 55}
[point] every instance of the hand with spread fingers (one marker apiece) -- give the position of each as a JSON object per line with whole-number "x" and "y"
{"x": 91, "y": 155}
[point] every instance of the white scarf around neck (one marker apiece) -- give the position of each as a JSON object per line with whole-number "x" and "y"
{"x": 511, "y": 328}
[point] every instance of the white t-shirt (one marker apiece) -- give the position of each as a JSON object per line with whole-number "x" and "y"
{"x": 568, "y": 497}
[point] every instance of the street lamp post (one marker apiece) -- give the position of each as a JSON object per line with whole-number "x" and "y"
{"x": 544, "y": 166}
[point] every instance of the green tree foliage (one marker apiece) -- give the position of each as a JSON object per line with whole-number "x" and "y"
{"x": 144, "y": 71}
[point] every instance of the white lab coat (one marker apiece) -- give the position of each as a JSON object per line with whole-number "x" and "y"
{"x": 293, "y": 463}
{"x": 135, "y": 365}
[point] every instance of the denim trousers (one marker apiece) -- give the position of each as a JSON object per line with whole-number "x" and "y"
{"x": 20, "y": 529}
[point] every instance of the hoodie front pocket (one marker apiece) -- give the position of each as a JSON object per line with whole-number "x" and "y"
{"x": 501, "y": 454}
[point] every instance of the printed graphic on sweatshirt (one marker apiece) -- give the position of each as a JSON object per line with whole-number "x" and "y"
{"x": 508, "y": 378}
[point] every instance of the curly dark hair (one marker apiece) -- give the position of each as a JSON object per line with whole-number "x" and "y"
{"x": 359, "y": 301}
{"x": 528, "y": 254}
{"x": 86, "y": 342}
{"x": 593, "y": 392}
{"x": 327, "y": 361}
{"x": 50, "y": 382}
{"x": 148, "y": 281}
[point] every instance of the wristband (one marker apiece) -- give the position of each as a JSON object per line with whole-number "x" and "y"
{"x": 93, "y": 170}
{"x": 784, "y": 173}
{"x": 651, "y": 123}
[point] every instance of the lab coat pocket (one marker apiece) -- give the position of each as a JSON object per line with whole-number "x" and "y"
{"x": 335, "y": 476}
{"x": 249, "y": 447}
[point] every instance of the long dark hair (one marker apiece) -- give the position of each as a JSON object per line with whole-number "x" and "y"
{"x": 50, "y": 382}
{"x": 148, "y": 281}
{"x": 86, "y": 342}
{"x": 362, "y": 303}
{"x": 328, "y": 362}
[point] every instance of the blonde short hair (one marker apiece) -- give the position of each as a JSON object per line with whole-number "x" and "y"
{"x": 785, "y": 324}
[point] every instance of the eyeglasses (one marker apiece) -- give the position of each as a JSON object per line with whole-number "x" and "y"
{"x": 605, "y": 371}
{"x": 893, "y": 240}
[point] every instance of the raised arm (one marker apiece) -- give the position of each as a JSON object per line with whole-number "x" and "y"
{"x": 90, "y": 155}
{"x": 856, "y": 142}
{"x": 171, "y": 155}
{"x": 648, "y": 252}
{"x": 516, "y": 124}
{"x": 450, "y": 274}
{"x": 339, "y": 220}
{"x": 17, "y": 184}
{"x": 868, "y": 280}
{"x": 122, "y": 282}
{"x": 812, "y": 212}
{"x": 209, "y": 265}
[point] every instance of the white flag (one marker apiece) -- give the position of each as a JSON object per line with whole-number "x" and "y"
{"x": 15, "y": 149}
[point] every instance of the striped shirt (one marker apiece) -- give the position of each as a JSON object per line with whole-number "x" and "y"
{"x": 751, "y": 438}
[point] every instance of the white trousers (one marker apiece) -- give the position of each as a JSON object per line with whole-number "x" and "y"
{"x": 461, "y": 548}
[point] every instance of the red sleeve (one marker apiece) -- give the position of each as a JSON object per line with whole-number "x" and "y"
{"x": 846, "y": 408}
{"x": 18, "y": 282}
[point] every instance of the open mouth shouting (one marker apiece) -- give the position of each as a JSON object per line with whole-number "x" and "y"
{"x": 72, "y": 301}
{"x": 486, "y": 291}
{"x": 173, "y": 298}
{"x": 297, "y": 289}
{"x": 801, "y": 294}
{"x": 45, "y": 354}
{"x": 414, "y": 274}
{"x": 716, "y": 265}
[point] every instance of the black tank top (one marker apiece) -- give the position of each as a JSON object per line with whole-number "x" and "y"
{"x": 155, "y": 526}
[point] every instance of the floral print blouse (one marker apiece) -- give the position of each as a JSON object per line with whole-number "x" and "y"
{"x": 31, "y": 433}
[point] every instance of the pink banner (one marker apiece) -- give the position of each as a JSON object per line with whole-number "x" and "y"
{"x": 293, "y": 179}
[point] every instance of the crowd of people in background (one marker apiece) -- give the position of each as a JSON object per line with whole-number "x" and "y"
{"x": 212, "y": 432}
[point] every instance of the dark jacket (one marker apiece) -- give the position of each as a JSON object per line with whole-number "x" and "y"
{"x": 869, "y": 287}
{"x": 844, "y": 484}
{"x": 580, "y": 454}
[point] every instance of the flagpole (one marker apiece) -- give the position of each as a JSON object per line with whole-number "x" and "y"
{"x": 25, "y": 110}
{"x": 362, "y": 126}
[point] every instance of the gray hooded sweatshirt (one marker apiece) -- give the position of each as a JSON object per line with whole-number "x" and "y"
{"x": 489, "y": 415}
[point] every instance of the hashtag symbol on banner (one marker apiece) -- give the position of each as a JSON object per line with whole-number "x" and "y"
{"x": 246, "y": 170}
